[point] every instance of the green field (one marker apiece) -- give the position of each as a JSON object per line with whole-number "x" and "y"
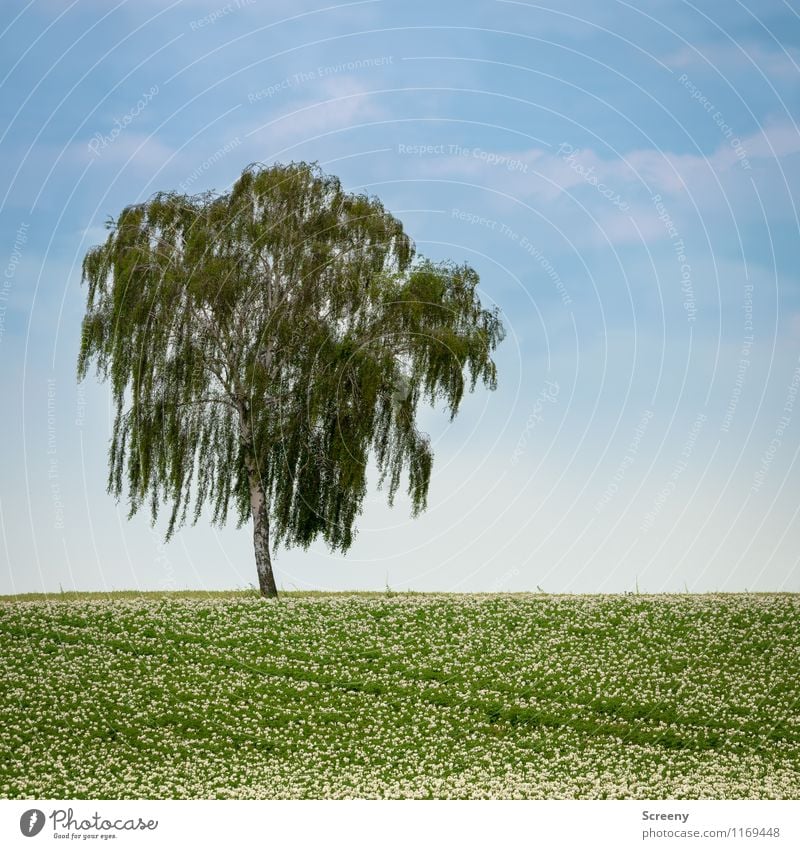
{"x": 395, "y": 695}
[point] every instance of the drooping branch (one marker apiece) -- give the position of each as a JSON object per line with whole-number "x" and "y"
{"x": 285, "y": 331}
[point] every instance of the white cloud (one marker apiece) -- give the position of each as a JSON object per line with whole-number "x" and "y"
{"x": 782, "y": 63}
{"x": 614, "y": 191}
{"x": 340, "y": 102}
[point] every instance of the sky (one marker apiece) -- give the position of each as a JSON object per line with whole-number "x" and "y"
{"x": 623, "y": 176}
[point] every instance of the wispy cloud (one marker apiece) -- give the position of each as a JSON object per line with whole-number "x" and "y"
{"x": 618, "y": 194}
{"x": 338, "y": 103}
{"x": 781, "y": 61}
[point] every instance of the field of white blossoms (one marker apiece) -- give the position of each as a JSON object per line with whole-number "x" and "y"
{"x": 510, "y": 696}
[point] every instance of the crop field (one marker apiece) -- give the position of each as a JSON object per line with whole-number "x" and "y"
{"x": 400, "y": 695}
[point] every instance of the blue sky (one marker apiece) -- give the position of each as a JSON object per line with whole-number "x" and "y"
{"x": 623, "y": 176}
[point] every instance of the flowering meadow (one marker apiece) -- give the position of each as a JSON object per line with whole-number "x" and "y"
{"x": 398, "y": 696}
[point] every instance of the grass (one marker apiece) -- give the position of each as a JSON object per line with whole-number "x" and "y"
{"x": 329, "y": 695}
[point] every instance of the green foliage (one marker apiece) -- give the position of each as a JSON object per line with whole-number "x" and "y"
{"x": 279, "y": 334}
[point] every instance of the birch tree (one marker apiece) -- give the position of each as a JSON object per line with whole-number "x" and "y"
{"x": 262, "y": 345}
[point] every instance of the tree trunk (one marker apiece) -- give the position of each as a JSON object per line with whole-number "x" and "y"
{"x": 259, "y": 508}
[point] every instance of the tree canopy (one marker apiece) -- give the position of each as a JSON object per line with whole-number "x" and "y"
{"x": 265, "y": 343}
